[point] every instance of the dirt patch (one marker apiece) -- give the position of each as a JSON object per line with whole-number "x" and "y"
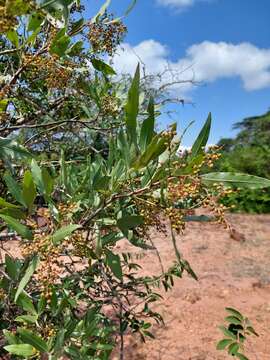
{"x": 231, "y": 273}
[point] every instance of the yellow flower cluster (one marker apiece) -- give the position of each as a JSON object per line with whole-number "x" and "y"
{"x": 109, "y": 106}
{"x": 56, "y": 75}
{"x": 105, "y": 36}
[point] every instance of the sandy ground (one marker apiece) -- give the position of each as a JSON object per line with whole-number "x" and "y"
{"x": 231, "y": 273}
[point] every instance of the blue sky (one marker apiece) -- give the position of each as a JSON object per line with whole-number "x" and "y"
{"x": 225, "y": 44}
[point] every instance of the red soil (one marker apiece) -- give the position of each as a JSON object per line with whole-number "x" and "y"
{"x": 231, "y": 273}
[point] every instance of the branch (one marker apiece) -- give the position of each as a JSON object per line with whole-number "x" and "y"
{"x": 74, "y": 120}
{"x": 9, "y": 51}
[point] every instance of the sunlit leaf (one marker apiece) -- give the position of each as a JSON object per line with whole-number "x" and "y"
{"x": 236, "y": 180}
{"x": 24, "y": 350}
{"x": 27, "y": 276}
{"x": 201, "y": 141}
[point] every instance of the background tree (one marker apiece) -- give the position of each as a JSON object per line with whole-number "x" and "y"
{"x": 248, "y": 152}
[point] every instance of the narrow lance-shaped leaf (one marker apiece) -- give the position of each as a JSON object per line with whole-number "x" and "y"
{"x": 202, "y": 139}
{"x": 12, "y": 267}
{"x": 60, "y": 234}
{"x": 236, "y": 180}
{"x": 147, "y": 129}
{"x": 37, "y": 176}
{"x": 241, "y": 356}
{"x": 30, "y": 338}
{"x": 157, "y": 146}
{"x": 27, "y": 276}
{"x": 5, "y": 204}
{"x": 132, "y": 106}
{"x": 114, "y": 263}
{"x": 14, "y": 188}
{"x": 102, "y": 10}
{"x": 18, "y": 227}
{"x": 29, "y": 190}
{"x": 130, "y": 7}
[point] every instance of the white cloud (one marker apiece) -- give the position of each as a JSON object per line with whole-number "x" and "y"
{"x": 204, "y": 62}
{"x": 180, "y": 4}
{"x": 176, "y": 3}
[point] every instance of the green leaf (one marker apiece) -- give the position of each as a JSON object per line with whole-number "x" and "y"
{"x": 63, "y": 172}
{"x": 3, "y": 105}
{"x": 236, "y": 180}
{"x": 77, "y": 26}
{"x": 102, "y": 11}
{"x": 100, "y": 346}
{"x": 13, "y": 149}
{"x": 47, "y": 182}
{"x": 241, "y": 356}
{"x": 75, "y": 49}
{"x": 41, "y": 305}
{"x": 10, "y": 337}
{"x": 233, "y": 348}
{"x": 42, "y": 179}
{"x": 5, "y": 204}
{"x": 132, "y": 106}
{"x": 152, "y": 152}
{"x": 252, "y": 331}
{"x": 235, "y": 313}
{"x": 130, "y": 7}
{"x": 233, "y": 320}
{"x": 65, "y": 231}
{"x": 25, "y": 302}
{"x": 30, "y": 338}
{"x": 35, "y": 20}
{"x": 147, "y": 129}
{"x": 189, "y": 269}
{"x": 12, "y": 267}
{"x": 29, "y": 319}
{"x": 13, "y": 37}
{"x": 27, "y": 276}
{"x": 228, "y": 333}
{"x": 100, "y": 65}
{"x": 222, "y": 344}
{"x": 60, "y": 43}
{"x": 29, "y": 190}
{"x": 101, "y": 183}
{"x": 202, "y": 139}
{"x": 15, "y": 213}
{"x": 14, "y": 188}
{"x": 129, "y": 222}
{"x": 37, "y": 176}
{"x": 114, "y": 264}
{"x": 18, "y": 227}
{"x": 23, "y": 350}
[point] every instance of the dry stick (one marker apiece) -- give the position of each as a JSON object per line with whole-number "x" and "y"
{"x": 74, "y": 120}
